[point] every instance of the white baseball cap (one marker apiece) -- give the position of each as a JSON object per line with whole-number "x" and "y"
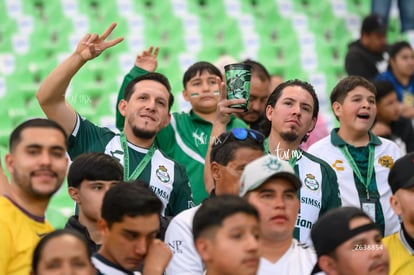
{"x": 260, "y": 170}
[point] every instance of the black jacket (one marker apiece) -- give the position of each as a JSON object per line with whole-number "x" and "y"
{"x": 362, "y": 62}
{"x": 73, "y": 223}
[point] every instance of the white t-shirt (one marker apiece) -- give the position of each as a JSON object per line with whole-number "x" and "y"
{"x": 179, "y": 237}
{"x": 299, "y": 259}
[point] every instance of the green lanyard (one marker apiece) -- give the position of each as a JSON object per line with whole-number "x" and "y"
{"x": 143, "y": 163}
{"x": 355, "y": 168}
{"x": 293, "y": 161}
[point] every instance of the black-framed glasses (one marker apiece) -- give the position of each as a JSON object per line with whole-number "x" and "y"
{"x": 240, "y": 134}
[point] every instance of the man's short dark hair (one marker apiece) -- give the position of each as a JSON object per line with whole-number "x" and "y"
{"x": 215, "y": 210}
{"x": 15, "y": 136}
{"x": 160, "y": 78}
{"x": 277, "y": 93}
{"x": 94, "y": 166}
{"x": 199, "y": 68}
{"x": 129, "y": 199}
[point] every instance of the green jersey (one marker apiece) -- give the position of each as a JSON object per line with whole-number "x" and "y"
{"x": 185, "y": 139}
{"x": 167, "y": 178}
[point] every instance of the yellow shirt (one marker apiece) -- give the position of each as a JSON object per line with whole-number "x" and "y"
{"x": 19, "y": 234}
{"x": 401, "y": 254}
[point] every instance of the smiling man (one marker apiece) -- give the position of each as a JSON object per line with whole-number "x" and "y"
{"x": 37, "y": 164}
{"x": 146, "y": 108}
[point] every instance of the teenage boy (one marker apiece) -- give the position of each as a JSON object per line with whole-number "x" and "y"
{"x": 271, "y": 186}
{"x": 90, "y": 176}
{"x": 186, "y": 137}
{"x": 226, "y": 235}
{"x": 361, "y": 160}
{"x": 389, "y": 123}
{"x": 37, "y": 163}
{"x": 129, "y": 224}
{"x": 347, "y": 241}
{"x": 146, "y": 107}
{"x": 230, "y": 153}
{"x": 401, "y": 244}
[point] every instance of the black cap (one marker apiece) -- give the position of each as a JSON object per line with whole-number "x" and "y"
{"x": 332, "y": 229}
{"x": 373, "y": 23}
{"x": 402, "y": 173}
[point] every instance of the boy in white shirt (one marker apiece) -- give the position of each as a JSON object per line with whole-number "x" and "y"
{"x": 360, "y": 159}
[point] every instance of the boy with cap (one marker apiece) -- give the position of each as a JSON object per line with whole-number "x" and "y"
{"x": 226, "y": 235}
{"x": 401, "y": 244}
{"x": 366, "y": 56}
{"x": 347, "y": 241}
{"x": 270, "y": 184}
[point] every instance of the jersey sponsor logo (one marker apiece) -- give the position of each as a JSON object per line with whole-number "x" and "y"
{"x": 337, "y": 165}
{"x": 311, "y": 182}
{"x": 176, "y": 246}
{"x": 199, "y": 138}
{"x": 160, "y": 193}
{"x": 303, "y": 223}
{"x": 162, "y": 174}
{"x": 386, "y": 161}
{"x": 117, "y": 154}
{"x": 310, "y": 201}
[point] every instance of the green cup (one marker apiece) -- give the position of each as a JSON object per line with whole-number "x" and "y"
{"x": 238, "y": 83}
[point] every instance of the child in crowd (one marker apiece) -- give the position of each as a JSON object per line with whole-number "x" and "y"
{"x": 389, "y": 123}
{"x": 361, "y": 160}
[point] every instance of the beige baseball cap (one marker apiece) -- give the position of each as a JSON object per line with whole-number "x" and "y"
{"x": 260, "y": 170}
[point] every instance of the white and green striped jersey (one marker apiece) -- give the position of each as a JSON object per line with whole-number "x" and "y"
{"x": 167, "y": 178}
{"x": 318, "y": 194}
{"x": 352, "y": 190}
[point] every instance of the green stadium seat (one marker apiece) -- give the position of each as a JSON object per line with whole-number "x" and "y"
{"x": 60, "y": 207}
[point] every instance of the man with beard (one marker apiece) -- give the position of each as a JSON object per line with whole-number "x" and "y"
{"x": 146, "y": 107}
{"x": 291, "y": 112}
{"x": 37, "y": 163}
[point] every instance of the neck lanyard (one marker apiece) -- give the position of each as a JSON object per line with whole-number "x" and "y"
{"x": 143, "y": 163}
{"x": 366, "y": 182}
{"x": 293, "y": 161}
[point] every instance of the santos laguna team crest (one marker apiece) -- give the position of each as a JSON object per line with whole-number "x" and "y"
{"x": 311, "y": 182}
{"x": 386, "y": 161}
{"x": 162, "y": 174}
